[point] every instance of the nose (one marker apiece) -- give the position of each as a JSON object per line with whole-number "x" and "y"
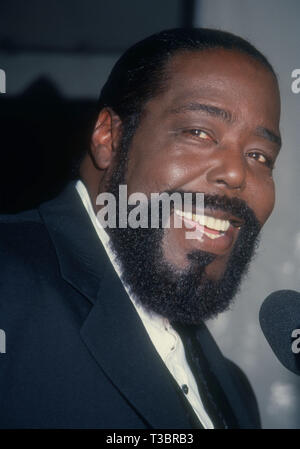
{"x": 228, "y": 169}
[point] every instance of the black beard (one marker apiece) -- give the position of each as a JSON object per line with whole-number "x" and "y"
{"x": 181, "y": 295}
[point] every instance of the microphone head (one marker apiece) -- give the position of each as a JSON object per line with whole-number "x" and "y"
{"x": 279, "y": 318}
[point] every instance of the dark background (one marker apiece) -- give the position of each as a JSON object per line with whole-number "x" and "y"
{"x": 42, "y": 128}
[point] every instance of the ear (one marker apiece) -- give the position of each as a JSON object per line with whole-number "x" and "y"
{"x": 105, "y": 138}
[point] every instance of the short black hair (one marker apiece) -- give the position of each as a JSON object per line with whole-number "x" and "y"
{"x": 139, "y": 74}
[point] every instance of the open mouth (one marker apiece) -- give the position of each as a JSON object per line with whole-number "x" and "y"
{"x": 214, "y": 223}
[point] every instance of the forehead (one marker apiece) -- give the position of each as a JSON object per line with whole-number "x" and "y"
{"x": 223, "y": 77}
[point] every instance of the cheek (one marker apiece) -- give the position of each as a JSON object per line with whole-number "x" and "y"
{"x": 262, "y": 198}
{"x": 156, "y": 171}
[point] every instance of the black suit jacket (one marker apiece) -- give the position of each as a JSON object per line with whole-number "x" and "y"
{"x": 77, "y": 354}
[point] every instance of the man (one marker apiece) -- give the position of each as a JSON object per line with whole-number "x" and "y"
{"x": 105, "y": 327}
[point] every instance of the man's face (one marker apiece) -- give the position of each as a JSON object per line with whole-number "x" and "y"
{"x": 180, "y": 147}
{"x": 214, "y": 130}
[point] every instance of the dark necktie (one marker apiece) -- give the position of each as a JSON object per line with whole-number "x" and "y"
{"x": 210, "y": 391}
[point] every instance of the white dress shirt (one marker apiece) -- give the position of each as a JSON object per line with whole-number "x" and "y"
{"x": 165, "y": 339}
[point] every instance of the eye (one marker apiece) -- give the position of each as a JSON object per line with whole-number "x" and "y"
{"x": 261, "y": 158}
{"x": 198, "y": 133}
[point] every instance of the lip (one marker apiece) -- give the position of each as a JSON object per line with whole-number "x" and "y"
{"x": 218, "y": 246}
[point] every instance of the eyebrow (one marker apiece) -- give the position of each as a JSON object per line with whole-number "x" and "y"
{"x": 265, "y": 133}
{"x": 228, "y": 117}
{"x": 213, "y": 111}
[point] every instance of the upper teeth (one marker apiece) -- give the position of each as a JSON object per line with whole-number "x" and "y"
{"x": 204, "y": 220}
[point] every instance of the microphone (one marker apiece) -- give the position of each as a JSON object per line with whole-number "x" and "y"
{"x": 279, "y": 318}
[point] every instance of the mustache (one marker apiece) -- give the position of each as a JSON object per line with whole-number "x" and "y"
{"x": 235, "y": 206}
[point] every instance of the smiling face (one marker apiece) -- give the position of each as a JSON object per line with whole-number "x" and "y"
{"x": 215, "y": 130}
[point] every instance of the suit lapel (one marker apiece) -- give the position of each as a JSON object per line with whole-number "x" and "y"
{"x": 113, "y": 331}
{"x": 117, "y": 339}
{"x": 80, "y": 255}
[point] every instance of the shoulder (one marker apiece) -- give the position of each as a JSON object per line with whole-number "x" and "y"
{"x": 16, "y": 228}
{"x": 28, "y": 216}
{"x": 22, "y": 236}
{"x": 26, "y": 252}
